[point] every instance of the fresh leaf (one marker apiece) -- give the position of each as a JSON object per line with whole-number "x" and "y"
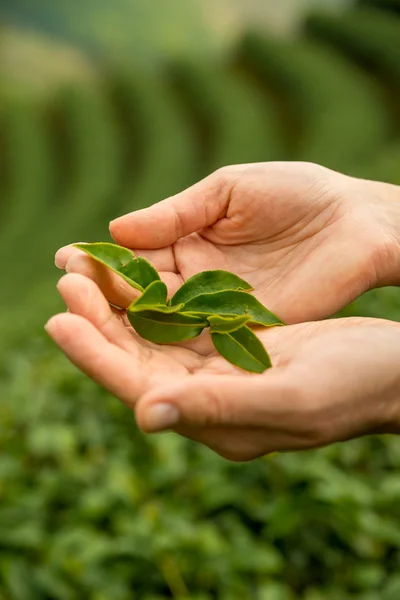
{"x": 232, "y": 302}
{"x": 243, "y": 349}
{"x": 227, "y": 323}
{"x": 209, "y": 282}
{"x": 166, "y": 328}
{"x": 155, "y": 293}
{"x": 154, "y": 297}
{"x": 134, "y": 269}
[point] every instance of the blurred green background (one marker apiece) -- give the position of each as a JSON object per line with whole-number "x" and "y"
{"x": 108, "y": 107}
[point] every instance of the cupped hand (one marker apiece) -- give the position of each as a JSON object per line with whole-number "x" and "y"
{"x": 308, "y": 239}
{"x": 331, "y": 380}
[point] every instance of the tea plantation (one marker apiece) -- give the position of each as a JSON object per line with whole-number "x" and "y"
{"x": 92, "y": 509}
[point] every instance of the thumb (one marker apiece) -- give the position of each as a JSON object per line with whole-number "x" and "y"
{"x": 189, "y": 211}
{"x": 217, "y": 400}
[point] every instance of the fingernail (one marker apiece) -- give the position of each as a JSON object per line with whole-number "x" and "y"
{"x": 48, "y": 326}
{"x": 58, "y": 258}
{"x": 161, "y": 416}
{"x": 63, "y": 254}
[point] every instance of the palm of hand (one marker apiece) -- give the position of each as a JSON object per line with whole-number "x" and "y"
{"x": 99, "y": 341}
{"x": 291, "y": 233}
{"x": 292, "y": 236}
{"x": 287, "y": 230}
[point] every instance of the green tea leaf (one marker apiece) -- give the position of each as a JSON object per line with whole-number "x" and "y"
{"x": 243, "y": 349}
{"x": 154, "y": 297}
{"x": 231, "y": 302}
{"x": 155, "y": 293}
{"x": 134, "y": 269}
{"x": 166, "y": 328}
{"x": 227, "y": 323}
{"x": 209, "y": 282}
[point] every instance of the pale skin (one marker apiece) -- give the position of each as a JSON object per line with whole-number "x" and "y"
{"x": 309, "y": 240}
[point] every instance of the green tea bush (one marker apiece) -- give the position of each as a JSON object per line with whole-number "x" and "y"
{"x": 28, "y": 169}
{"x": 340, "y": 114}
{"x": 65, "y": 168}
{"x": 86, "y": 172}
{"x": 389, "y": 5}
{"x": 89, "y": 151}
{"x": 91, "y": 508}
{"x": 234, "y": 121}
{"x": 368, "y": 35}
{"x": 28, "y": 184}
{"x": 384, "y": 167}
{"x": 161, "y": 150}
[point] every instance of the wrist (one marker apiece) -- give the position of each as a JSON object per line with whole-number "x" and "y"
{"x": 387, "y": 393}
{"x": 388, "y": 421}
{"x": 383, "y": 203}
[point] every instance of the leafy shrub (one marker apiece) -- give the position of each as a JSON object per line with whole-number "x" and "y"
{"x": 384, "y": 167}
{"x": 60, "y": 194}
{"x": 339, "y": 112}
{"x": 389, "y": 5}
{"x": 163, "y": 161}
{"x": 234, "y": 121}
{"x": 28, "y": 174}
{"x": 90, "y": 150}
{"x": 92, "y": 508}
{"x": 373, "y": 38}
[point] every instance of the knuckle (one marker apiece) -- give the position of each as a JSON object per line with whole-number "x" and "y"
{"x": 224, "y": 174}
{"x": 212, "y": 409}
{"x": 226, "y": 177}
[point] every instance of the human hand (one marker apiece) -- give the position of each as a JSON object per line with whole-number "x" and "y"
{"x": 331, "y": 381}
{"x": 308, "y": 239}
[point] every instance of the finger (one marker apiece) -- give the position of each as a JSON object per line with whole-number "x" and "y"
{"x": 83, "y": 297}
{"x": 162, "y": 259}
{"x": 113, "y": 287}
{"x": 166, "y": 222}
{"x": 120, "y": 373}
{"x": 270, "y": 400}
{"x": 64, "y": 254}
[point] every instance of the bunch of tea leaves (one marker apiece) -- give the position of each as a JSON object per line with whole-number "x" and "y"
{"x": 218, "y": 300}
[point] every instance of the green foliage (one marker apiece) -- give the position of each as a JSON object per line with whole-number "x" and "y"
{"x": 90, "y": 149}
{"x": 235, "y": 122}
{"x": 384, "y": 166}
{"x": 92, "y": 508}
{"x": 389, "y": 5}
{"x": 232, "y": 302}
{"x": 338, "y": 112}
{"x": 210, "y": 298}
{"x": 135, "y": 270}
{"x": 209, "y": 282}
{"x": 161, "y": 151}
{"x": 227, "y": 324}
{"x": 166, "y": 328}
{"x": 85, "y": 171}
{"x": 371, "y": 38}
{"x": 27, "y": 184}
{"x": 154, "y": 297}
{"x": 243, "y": 349}
{"x": 28, "y": 170}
